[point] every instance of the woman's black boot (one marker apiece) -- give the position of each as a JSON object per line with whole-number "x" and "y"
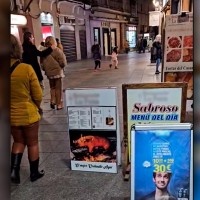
{"x": 35, "y": 174}
{"x": 15, "y": 167}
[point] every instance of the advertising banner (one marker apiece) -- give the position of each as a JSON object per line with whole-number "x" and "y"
{"x": 178, "y": 55}
{"x": 153, "y": 103}
{"x": 161, "y": 162}
{"x": 93, "y": 129}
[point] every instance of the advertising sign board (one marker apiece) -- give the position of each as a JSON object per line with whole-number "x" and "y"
{"x": 152, "y": 103}
{"x": 178, "y": 55}
{"x": 93, "y": 129}
{"x": 161, "y": 162}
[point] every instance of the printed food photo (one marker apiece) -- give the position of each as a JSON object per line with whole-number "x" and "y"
{"x": 174, "y": 42}
{"x": 181, "y": 77}
{"x": 174, "y": 55}
{"x": 188, "y": 41}
{"x": 187, "y": 55}
{"x": 93, "y": 146}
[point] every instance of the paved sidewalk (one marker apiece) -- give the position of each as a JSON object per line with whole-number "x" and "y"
{"x": 59, "y": 181}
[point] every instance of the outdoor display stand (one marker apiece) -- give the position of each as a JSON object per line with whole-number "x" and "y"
{"x": 162, "y": 162}
{"x": 151, "y": 103}
{"x": 93, "y": 127}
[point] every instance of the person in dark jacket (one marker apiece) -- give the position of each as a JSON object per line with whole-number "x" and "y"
{"x": 144, "y": 44}
{"x": 158, "y": 53}
{"x": 30, "y": 54}
{"x": 140, "y": 44}
{"x": 96, "y": 55}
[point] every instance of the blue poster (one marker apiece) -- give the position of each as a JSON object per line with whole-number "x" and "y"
{"x": 162, "y": 164}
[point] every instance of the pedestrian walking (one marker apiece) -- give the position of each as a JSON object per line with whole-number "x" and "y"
{"x": 53, "y": 66}
{"x": 158, "y": 52}
{"x": 96, "y": 56}
{"x": 25, "y": 100}
{"x": 114, "y": 59}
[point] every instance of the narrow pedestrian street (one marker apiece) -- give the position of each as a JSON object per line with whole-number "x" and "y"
{"x": 59, "y": 181}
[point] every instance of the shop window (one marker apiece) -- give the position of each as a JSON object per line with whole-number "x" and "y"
{"x": 97, "y": 36}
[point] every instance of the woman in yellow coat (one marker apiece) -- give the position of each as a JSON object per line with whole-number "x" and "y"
{"x": 26, "y": 97}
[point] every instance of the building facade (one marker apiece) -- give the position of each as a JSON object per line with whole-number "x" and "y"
{"x": 78, "y": 24}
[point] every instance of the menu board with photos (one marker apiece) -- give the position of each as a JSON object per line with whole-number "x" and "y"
{"x": 93, "y": 129}
{"x": 178, "y": 55}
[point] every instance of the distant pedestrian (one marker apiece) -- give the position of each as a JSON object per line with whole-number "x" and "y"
{"x": 96, "y": 55}
{"x": 144, "y": 44}
{"x": 59, "y": 45}
{"x": 158, "y": 52}
{"x": 150, "y": 44}
{"x": 140, "y": 44}
{"x": 114, "y": 59}
{"x": 126, "y": 46}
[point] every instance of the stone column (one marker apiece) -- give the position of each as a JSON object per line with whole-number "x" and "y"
{"x": 122, "y": 36}
{"x": 88, "y": 36}
{"x": 78, "y": 49}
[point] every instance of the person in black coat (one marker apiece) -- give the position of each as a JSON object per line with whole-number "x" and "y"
{"x": 158, "y": 52}
{"x": 96, "y": 55}
{"x": 144, "y": 44}
{"x": 30, "y": 54}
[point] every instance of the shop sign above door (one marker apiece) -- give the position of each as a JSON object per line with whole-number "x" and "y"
{"x": 18, "y": 20}
{"x": 105, "y": 24}
{"x": 46, "y": 19}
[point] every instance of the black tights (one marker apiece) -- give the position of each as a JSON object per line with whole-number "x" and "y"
{"x": 97, "y": 63}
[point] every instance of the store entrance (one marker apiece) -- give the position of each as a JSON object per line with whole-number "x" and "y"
{"x": 131, "y": 37}
{"x": 113, "y": 38}
{"x": 106, "y": 42}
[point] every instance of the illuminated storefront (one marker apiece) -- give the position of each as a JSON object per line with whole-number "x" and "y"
{"x": 16, "y": 21}
{"x": 46, "y": 20}
{"x": 131, "y": 36}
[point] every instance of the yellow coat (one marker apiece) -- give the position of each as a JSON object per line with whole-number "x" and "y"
{"x": 26, "y": 95}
